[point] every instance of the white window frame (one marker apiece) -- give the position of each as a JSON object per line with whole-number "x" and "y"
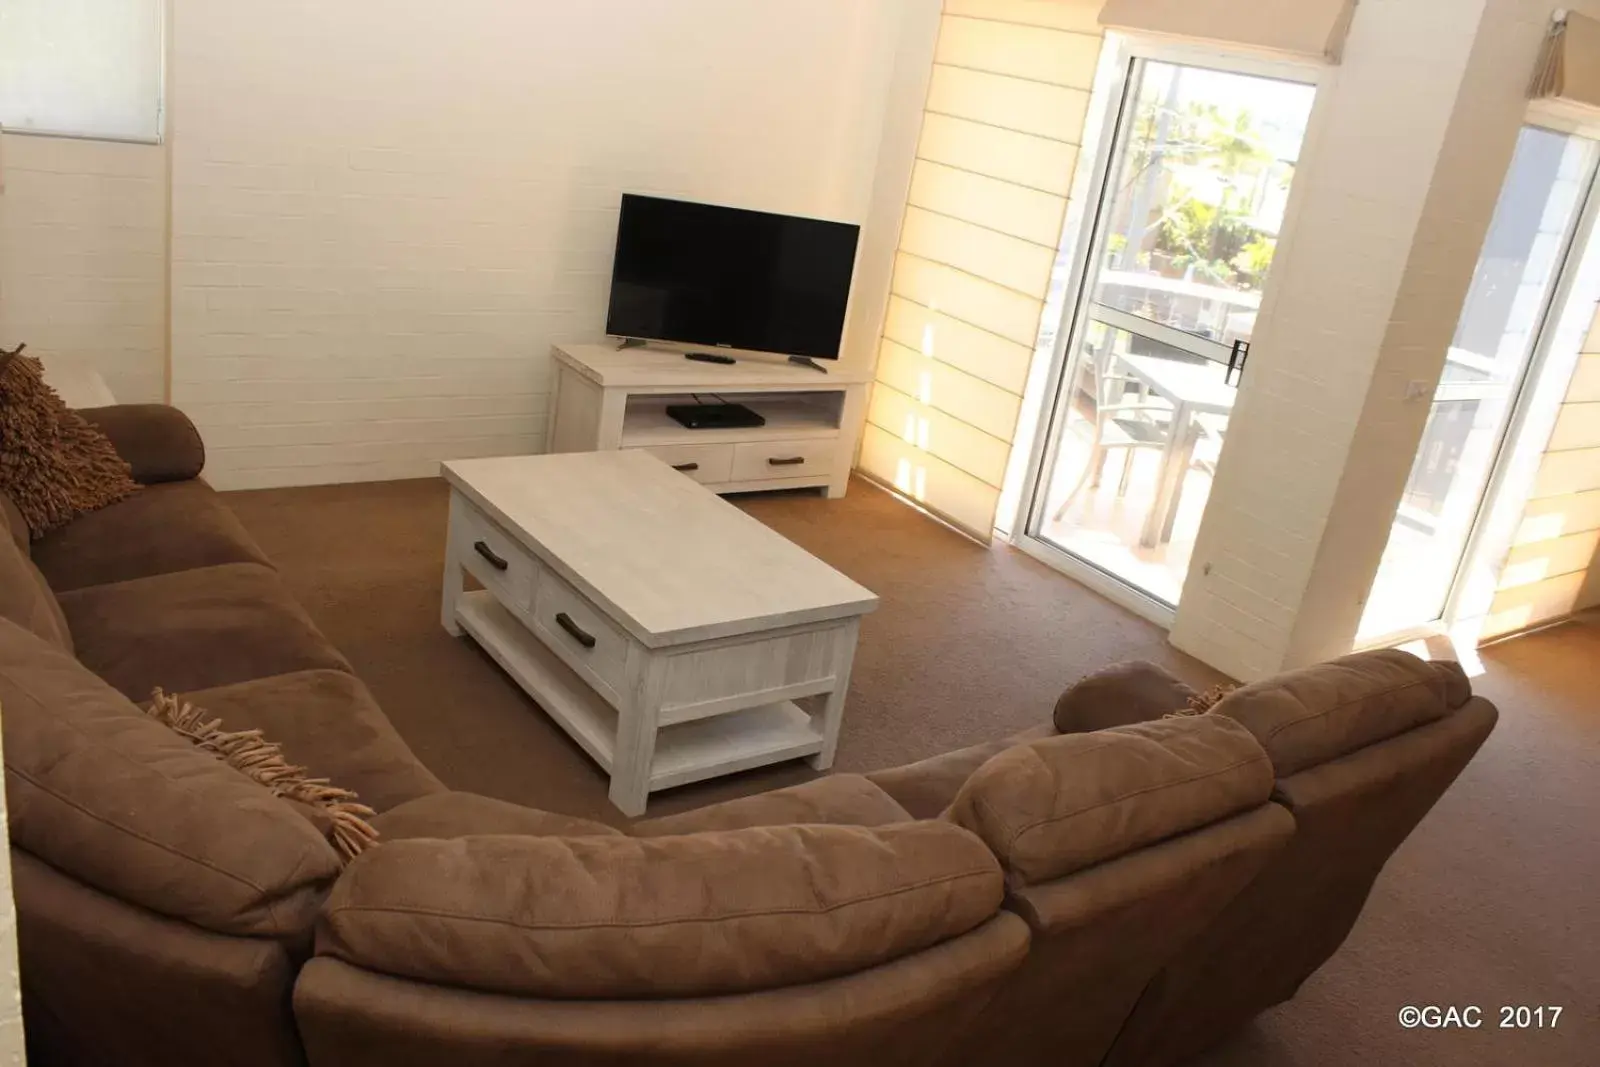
{"x": 1106, "y": 107}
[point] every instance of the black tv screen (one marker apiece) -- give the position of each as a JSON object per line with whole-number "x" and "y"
{"x": 717, "y": 276}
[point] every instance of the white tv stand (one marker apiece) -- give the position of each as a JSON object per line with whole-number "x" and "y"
{"x": 605, "y": 398}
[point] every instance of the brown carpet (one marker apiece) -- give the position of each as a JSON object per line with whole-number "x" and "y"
{"x": 1492, "y": 901}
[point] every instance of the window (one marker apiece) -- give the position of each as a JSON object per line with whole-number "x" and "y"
{"x": 82, "y": 68}
{"x": 1192, "y": 199}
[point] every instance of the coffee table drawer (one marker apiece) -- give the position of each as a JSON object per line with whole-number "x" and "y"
{"x": 703, "y": 463}
{"x": 500, "y": 563}
{"x": 756, "y": 461}
{"x": 580, "y": 633}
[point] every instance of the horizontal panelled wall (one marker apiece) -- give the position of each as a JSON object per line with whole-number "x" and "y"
{"x": 1553, "y": 568}
{"x": 83, "y": 258}
{"x": 999, "y": 146}
{"x": 383, "y": 216}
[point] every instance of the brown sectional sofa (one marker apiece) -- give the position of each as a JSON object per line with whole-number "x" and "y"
{"x": 1122, "y": 887}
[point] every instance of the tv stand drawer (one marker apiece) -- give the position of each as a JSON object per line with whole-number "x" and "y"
{"x": 703, "y": 463}
{"x": 757, "y": 461}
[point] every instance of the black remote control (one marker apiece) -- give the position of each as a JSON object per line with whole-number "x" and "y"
{"x": 707, "y": 357}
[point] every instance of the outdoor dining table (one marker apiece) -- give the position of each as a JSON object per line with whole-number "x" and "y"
{"x": 1192, "y": 389}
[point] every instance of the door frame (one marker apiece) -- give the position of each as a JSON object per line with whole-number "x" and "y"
{"x": 1110, "y": 109}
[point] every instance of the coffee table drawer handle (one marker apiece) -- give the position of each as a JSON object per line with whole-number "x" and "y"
{"x": 792, "y": 461}
{"x": 564, "y": 621}
{"x": 686, "y": 467}
{"x": 482, "y": 548}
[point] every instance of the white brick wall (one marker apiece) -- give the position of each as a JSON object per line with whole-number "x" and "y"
{"x": 1410, "y": 142}
{"x": 384, "y": 213}
{"x": 83, "y": 257}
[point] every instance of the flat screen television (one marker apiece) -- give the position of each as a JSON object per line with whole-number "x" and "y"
{"x": 696, "y": 274}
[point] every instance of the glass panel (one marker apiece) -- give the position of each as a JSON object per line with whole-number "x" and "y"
{"x": 1110, "y": 465}
{"x": 1505, "y": 309}
{"x": 1189, "y": 221}
{"x": 1198, "y": 198}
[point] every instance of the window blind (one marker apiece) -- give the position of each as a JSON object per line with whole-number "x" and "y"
{"x": 999, "y": 145}
{"x": 1569, "y": 67}
{"x": 1294, "y": 27}
{"x": 87, "y": 68}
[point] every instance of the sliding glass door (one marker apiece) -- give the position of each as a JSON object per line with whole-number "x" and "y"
{"x": 1191, "y": 201}
{"x": 1487, "y": 368}
{"x": 1505, "y": 315}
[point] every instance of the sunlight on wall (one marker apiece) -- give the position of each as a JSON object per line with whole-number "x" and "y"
{"x": 988, "y": 198}
{"x": 1548, "y": 574}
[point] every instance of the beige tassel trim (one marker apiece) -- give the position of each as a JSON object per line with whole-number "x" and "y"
{"x": 1201, "y": 703}
{"x": 249, "y": 752}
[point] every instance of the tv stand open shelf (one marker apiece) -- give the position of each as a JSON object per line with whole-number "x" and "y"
{"x": 608, "y": 399}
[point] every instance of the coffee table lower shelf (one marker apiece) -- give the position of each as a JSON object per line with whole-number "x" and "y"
{"x": 684, "y": 752}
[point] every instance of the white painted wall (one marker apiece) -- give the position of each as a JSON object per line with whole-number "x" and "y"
{"x": 83, "y": 257}
{"x": 385, "y": 212}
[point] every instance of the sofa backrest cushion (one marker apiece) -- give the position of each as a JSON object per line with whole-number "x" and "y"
{"x": 1118, "y": 696}
{"x": 14, "y": 523}
{"x": 704, "y": 914}
{"x": 1311, "y": 716}
{"x": 27, "y": 599}
{"x": 116, "y": 800}
{"x": 1057, "y": 806}
{"x": 25, "y": 596}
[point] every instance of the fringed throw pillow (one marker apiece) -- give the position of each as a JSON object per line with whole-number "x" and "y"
{"x": 1202, "y": 703}
{"x": 53, "y": 464}
{"x": 338, "y": 812}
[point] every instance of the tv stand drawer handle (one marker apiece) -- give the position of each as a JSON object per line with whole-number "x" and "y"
{"x": 686, "y": 468}
{"x": 564, "y": 621}
{"x": 482, "y": 548}
{"x": 792, "y": 461}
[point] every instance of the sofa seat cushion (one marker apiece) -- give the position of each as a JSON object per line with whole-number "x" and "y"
{"x": 621, "y": 917}
{"x": 451, "y": 815}
{"x": 27, "y": 599}
{"x": 1054, "y": 807}
{"x": 103, "y": 793}
{"x": 926, "y": 788}
{"x": 838, "y": 800}
{"x": 1317, "y": 714}
{"x": 194, "y": 630}
{"x": 158, "y": 530}
{"x": 327, "y": 722}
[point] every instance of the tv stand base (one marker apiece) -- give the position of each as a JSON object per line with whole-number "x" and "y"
{"x": 604, "y": 400}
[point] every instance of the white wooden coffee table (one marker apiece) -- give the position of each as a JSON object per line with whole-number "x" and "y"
{"x": 668, "y": 632}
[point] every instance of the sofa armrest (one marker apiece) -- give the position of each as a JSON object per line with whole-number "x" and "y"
{"x": 1123, "y": 695}
{"x": 157, "y": 441}
{"x": 928, "y": 787}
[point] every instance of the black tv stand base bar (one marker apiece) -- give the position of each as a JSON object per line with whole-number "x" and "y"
{"x": 807, "y": 361}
